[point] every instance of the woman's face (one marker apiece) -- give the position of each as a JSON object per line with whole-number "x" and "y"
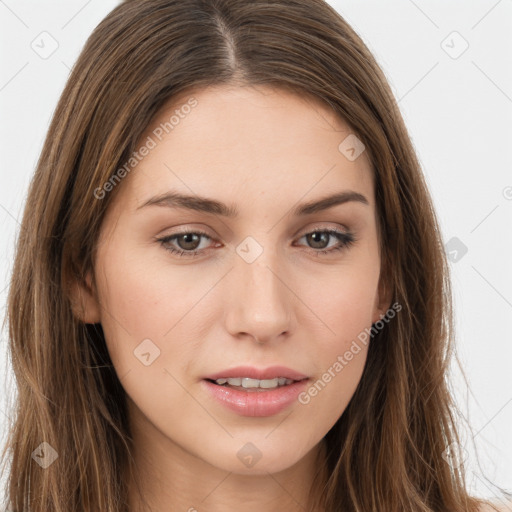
{"x": 261, "y": 283}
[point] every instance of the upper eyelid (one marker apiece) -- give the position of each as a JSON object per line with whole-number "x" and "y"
{"x": 301, "y": 234}
{"x": 185, "y": 231}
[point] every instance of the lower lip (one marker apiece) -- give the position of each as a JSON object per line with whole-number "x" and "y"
{"x": 256, "y": 403}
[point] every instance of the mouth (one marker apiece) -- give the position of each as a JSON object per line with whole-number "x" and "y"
{"x": 252, "y": 377}
{"x": 253, "y": 385}
{"x": 249, "y": 391}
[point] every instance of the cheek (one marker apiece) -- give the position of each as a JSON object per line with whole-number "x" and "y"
{"x": 329, "y": 394}
{"x": 140, "y": 296}
{"x": 146, "y": 310}
{"x": 344, "y": 300}
{"x": 151, "y": 307}
{"x": 340, "y": 357}
{"x": 344, "y": 305}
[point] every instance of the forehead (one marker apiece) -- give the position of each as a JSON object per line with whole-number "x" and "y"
{"x": 248, "y": 142}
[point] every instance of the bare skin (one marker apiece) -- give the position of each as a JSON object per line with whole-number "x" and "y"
{"x": 265, "y": 152}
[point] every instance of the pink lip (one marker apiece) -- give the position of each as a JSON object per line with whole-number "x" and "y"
{"x": 254, "y": 373}
{"x": 255, "y": 403}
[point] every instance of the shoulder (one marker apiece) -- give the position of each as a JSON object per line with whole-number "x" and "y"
{"x": 501, "y": 506}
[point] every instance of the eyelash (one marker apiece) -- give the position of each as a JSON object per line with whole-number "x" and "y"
{"x": 346, "y": 240}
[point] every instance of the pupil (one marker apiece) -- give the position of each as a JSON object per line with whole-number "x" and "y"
{"x": 188, "y": 237}
{"x": 317, "y": 237}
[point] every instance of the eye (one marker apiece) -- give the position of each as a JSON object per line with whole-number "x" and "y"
{"x": 189, "y": 242}
{"x": 318, "y": 238}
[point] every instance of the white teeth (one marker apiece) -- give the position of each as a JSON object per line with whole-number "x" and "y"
{"x": 247, "y": 382}
{"x": 270, "y": 383}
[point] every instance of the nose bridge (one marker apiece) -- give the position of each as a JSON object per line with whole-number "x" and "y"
{"x": 261, "y": 285}
{"x": 260, "y": 302}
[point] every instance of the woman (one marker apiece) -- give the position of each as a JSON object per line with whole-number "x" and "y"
{"x": 230, "y": 290}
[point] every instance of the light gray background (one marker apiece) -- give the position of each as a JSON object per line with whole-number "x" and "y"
{"x": 458, "y": 108}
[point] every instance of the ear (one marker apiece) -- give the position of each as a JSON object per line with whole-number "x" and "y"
{"x": 84, "y": 301}
{"x": 383, "y": 299}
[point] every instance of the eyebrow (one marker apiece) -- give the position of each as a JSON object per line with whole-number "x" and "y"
{"x": 208, "y": 205}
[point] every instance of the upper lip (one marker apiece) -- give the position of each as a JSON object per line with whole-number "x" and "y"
{"x": 256, "y": 373}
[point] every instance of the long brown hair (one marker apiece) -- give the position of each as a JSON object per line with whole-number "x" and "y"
{"x": 387, "y": 451}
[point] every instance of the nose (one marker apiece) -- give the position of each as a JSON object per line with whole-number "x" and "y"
{"x": 260, "y": 302}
